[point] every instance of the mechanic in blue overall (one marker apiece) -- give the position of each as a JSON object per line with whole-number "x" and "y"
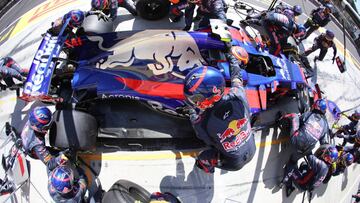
{"x": 323, "y": 42}
{"x": 307, "y": 129}
{"x": 329, "y": 154}
{"x": 9, "y": 69}
{"x": 73, "y": 28}
{"x": 208, "y": 9}
{"x": 33, "y": 138}
{"x": 320, "y": 17}
{"x": 278, "y": 27}
{"x": 308, "y": 176}
{"x": 221, "y": 120}
{"x": 290, "y": 12}
{"x": 349, "y": 131}
{"x": 109, "y": 7}
{"x": 65, "y": 186}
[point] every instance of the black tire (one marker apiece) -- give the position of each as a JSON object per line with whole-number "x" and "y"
{"x": 73, "y": 129}
{"x": 303, "y": 99}
{"x": 153, "y": 9}
{"x": 125, "y": 191}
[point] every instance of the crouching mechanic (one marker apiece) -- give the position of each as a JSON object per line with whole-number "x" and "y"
{"x": 308, "y": 176}
{"x": 306, "y": 130}
{"x": 33, "y": 138}
{"x": 65, "y": 186}
{"x": 221, "y": 120}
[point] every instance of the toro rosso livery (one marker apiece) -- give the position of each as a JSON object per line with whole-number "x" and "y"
{"x": 150, "y": 66}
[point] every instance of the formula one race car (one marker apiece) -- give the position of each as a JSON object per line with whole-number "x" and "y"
{"x": 102, "y": 87}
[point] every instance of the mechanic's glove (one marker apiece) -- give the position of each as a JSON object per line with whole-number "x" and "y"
{"x": 333, "y": 60}
{"x": 186, "y": 28}
{"x": 62, "y": 159}
{"x": 7, "y": 128}
{"x": 192, "y": 113}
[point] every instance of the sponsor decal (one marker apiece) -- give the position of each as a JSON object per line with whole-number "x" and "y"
{"x": 233, "y": 136}
{"x": 162, "y": 51}
{"x": 314, "y": 129}
{"x": 120, "y": 96}
{"x": 40, "y": 73}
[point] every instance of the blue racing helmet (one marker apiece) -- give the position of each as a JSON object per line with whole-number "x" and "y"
{"x": 203, "y": 87}
{"x": 100, "y": 4}
{"x": 297, "y": 10}
{"x": 40, "y": 119}
{"x": 320, "y": 105}
{"x": 76, "y": 18}
{"x": 61, "y": 180}
{"x": 330, "y": 155}
{"x": 347, "y": 159}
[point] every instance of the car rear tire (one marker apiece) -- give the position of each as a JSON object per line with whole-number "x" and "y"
{"x": 153, "y": 9}
{"x": 73, "y": 129}
{"x": 126, "y": 191}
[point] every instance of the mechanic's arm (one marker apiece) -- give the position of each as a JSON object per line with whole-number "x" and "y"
{"x": 113, "y": 9}
{"x": 196, "y": 121}
{"x": 219, "y": 11}
{"x": 50, "y": 161}
{"x": 189, "y": 14}
{"x": 335, "y": 51}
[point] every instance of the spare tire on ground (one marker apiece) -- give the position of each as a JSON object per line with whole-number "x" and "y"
{"x": 126, "y": 191}
{"x": 153, "y": 9}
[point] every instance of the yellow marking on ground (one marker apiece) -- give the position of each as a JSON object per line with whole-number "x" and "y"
{"x": 4, "y": 101}
{"x": 39, "y": 13}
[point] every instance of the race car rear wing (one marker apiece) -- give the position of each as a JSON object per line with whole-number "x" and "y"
{"x": 37, "y": 84}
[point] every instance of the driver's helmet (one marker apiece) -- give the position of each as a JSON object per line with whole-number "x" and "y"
{"x": 203, "y": 87}
{"x": 328, "y": 8}
{"x": 240, "y": 54}
{"x": 330, "y": 155}
{"x": 40, "y": 119}
{"x": 297, "y": 10}
{"x": 320, "y": 105}
{"x": 329, "y": 35}
{"x": 100, "y": 4}
{"x": 347, "y": 159}
{"x": 76, "y": 18}
{"x": 61, "y": 180}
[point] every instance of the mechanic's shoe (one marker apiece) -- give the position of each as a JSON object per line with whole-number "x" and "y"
{"x": 7, "y": 188}
{"x": 289, "y": 189}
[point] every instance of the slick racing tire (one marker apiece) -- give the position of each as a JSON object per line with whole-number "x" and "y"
{"x": 94, "y": 25}
{"x": 126, "y": 191}
{"x": 73, "y": 129}
{"x": 153, "y": 9}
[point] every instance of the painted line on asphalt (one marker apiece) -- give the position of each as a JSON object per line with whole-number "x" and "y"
{"x": 35, "y": 15}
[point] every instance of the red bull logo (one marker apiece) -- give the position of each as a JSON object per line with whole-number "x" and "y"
{"x": 233, "y": 129}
